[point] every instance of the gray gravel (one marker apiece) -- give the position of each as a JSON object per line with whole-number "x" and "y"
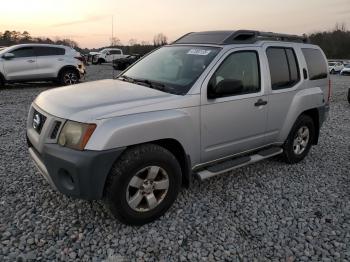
{"x": 269, "y": 211}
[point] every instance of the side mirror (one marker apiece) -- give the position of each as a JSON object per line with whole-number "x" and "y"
{"x": 226, "y": 87}
{"x": 108, "y": 53}
{"x": 8, "y": 56}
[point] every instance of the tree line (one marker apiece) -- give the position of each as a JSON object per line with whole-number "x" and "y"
{"x": 9, "y": 38}
{"x": 335, "y": 43}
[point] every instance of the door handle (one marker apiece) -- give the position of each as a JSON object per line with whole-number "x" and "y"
{"x": 30, "y": 61}
{"x": 260, "y": 102}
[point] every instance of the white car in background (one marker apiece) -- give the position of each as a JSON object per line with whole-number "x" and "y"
{"x": 345, "y": 70}
{"x": 335, "y": 67}
{"x": 106, "y": 55}
{"x": 40, "y": 62}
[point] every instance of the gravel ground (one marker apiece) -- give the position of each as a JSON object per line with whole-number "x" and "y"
{"x": 269, "y": 211}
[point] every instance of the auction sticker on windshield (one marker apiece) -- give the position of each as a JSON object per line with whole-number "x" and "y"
{"x": 198, "y": 52}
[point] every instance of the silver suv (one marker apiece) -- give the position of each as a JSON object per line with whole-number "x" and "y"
{"x": 38, "y": 62}
{"x": 200, "y": 107}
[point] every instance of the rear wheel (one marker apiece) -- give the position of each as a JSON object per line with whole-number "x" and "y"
{"x": 2, "y": 82}
{"x": 143, "y": 184}
{"x": 100, "y": 61}
{"x": 69, "y": 77}
{"x": 299, "y": 141}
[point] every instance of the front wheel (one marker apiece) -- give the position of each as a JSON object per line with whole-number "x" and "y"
{"x": 143, "y": 184}
{"x": 299, "y": 140}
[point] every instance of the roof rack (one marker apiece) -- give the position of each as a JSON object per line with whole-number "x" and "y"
{"x": 236, "y": 37}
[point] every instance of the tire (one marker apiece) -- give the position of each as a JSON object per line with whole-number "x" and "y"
{"x": 69, "y": 77}
{"x": 116, "y": 66}
{"x": 349, "y": 95}
{"x": 332, "y": 72}
{"x": 297, "y": 139}
{"x": 94, "y": 60}
{"x": 2, "y": 82}
{"x": 128, "y": 191}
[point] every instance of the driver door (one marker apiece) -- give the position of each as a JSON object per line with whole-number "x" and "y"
{"x": 235, "y": 123}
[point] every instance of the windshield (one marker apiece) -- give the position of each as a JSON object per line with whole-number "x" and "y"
{"x": 172, "y": 69}
{"x": 331, "y": 64}
{"x": 2, "y": 49}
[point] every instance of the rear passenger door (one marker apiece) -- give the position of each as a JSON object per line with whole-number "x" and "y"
{"x": 285, "y": 80}
{"x": 49, "y": 60}
{"x": 22, "y": 66}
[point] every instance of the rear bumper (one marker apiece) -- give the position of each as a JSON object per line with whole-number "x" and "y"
{"x": 79, "y": 174}
{"x": 82, "y": 70}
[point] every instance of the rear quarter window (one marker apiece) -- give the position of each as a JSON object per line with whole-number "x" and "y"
{"x": 316, "y": 63}
{"x": 49, "y": 51}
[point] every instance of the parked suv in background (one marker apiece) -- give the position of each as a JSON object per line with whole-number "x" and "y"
{"x": 34, "y": 62}
{"x": 345, "y": 70}
{"x": 106, "y": 55}
{"x": 123, "y": 63}
{"x": 202, "y": 106}
{"x": 335, "y": 67}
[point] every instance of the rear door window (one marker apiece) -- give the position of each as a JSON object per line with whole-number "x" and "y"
{"x": 49, "y": 51}
{"x": 316, "y": 63}
{"x": 284, "y": 67}
{"x": 115, "y": 52}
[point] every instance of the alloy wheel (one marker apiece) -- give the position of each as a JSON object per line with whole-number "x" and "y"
{"x": 301, "y": 140}
{"x": 70, "y": 78}
{"x": 147, "y": 188}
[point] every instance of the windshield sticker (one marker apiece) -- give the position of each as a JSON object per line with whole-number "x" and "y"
{"x": 198, "y": 52}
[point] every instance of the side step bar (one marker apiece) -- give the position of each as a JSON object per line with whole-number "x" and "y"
{"x": 234, "y": 163}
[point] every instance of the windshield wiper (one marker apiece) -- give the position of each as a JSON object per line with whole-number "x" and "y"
{"x": 149, "y": 83}
{"x": 127, "y": 78}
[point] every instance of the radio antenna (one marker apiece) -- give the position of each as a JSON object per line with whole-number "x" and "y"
{"x": 112, "y": 44}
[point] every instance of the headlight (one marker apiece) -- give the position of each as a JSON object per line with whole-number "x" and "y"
{"x": 75, "y": 135}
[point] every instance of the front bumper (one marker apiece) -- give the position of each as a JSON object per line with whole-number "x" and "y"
{"x": 80, "y": 174}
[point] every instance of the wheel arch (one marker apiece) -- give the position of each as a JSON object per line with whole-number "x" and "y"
{"x": 315, "y": 116}
{"x": 70, "y": 67}
{"x": 2, "y": 78}
{"x": 174, "y": 147}
{"x": 184, "y": 160}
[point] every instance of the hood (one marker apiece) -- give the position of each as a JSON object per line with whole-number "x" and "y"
{"x": 96, "y": 100}
{"x": 94, "y": 53}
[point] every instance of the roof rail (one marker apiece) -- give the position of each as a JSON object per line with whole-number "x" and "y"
{"x": 237, "y": 37}
{"x": 250, "y": 36}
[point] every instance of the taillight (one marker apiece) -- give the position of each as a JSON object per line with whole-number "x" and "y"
{"x": 329, "y": 90}
{"x": 79, "y": 58}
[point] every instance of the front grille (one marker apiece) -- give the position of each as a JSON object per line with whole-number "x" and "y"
{"x": 55, "y": 129}
{"x": 38, "y": 121}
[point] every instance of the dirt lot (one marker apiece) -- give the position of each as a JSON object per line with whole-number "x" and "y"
{"x": 269, "y": 211}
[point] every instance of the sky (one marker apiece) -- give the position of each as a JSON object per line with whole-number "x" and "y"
{"x": 89, "y": 22}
